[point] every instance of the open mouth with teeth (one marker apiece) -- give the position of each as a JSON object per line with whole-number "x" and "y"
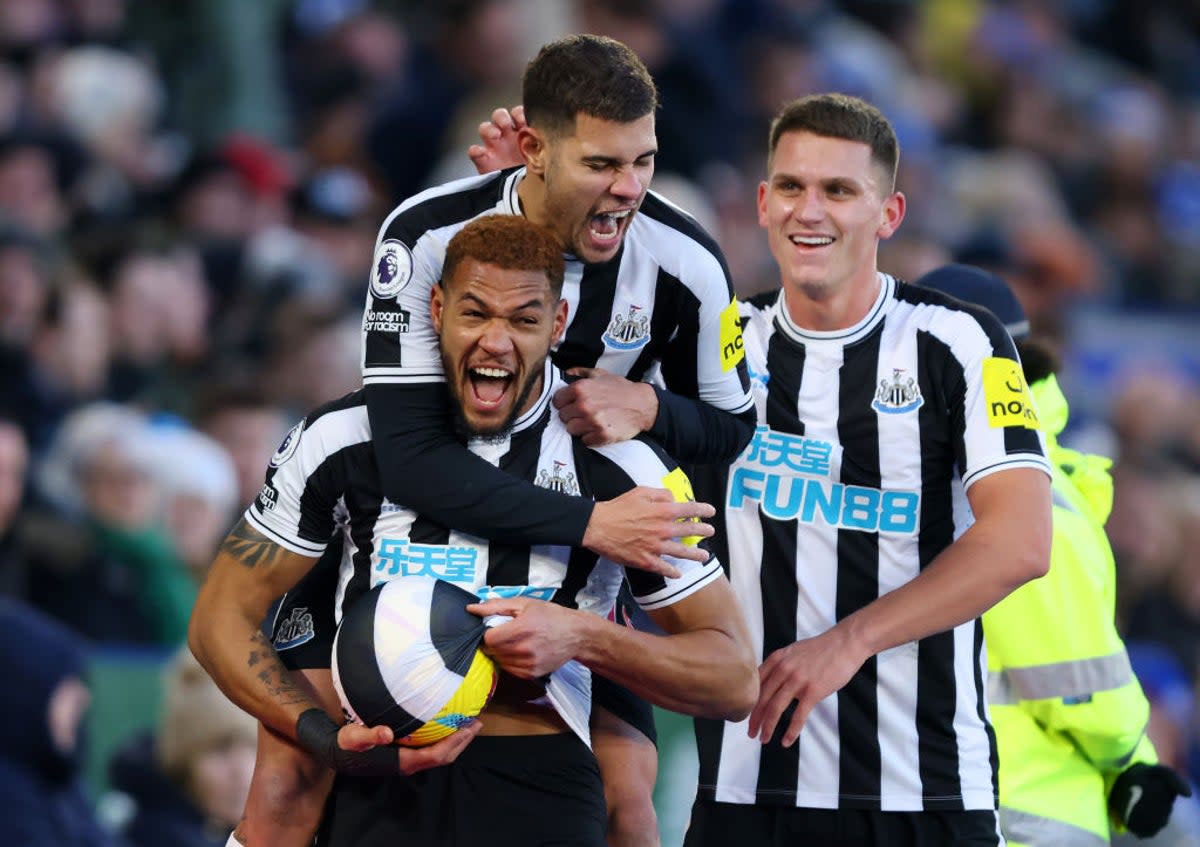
{"x": 489, "y": 386}
{"x": 605, "y": 227}
{"x": 811, "y": 240}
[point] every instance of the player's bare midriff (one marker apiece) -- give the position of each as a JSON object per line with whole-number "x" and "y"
{"x": 511, "y": 711}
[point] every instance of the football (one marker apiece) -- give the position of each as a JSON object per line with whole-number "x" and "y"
{"x": 407, "y": 655}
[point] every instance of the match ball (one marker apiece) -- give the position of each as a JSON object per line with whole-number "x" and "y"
{"x": 407, "y": 655}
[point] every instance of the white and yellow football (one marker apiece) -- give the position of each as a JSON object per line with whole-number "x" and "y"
{"x": 407, "y": 655}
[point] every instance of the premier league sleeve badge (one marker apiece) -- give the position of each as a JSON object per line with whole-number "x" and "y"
{"x": 392, "y": 269}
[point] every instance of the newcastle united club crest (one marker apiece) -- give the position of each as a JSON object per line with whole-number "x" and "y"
{"x": 296, "y": 630}
{"x": 628, "y": 331}
{"x": 900, "y": 395}
{"x": 560, "y": 479}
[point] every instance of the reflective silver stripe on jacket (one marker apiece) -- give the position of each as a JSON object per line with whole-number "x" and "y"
{"x": 1036, "y": 831}
{"x": 1077, "y": 678}
{"x": 1060, "y": 499}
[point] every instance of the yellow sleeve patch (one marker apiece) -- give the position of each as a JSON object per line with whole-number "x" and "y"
{"x": 1006, "y": 394}
{"x": 733, "y": 349}
{"x": 678, "y": 484}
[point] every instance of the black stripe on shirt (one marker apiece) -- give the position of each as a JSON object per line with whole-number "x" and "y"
{"x": 655, "y": 208}
{"x": 446, "y": 209}
{"x": 508, "y": 564}
{"x": 937, "y": 748}
{"x": 858, "y": 571}
{"x": 710, "y": 483}
{"x": 981, "y": 707}
{"x": 1017, "y": 439}
{"x": 779, "y": 767}
{"x": 674, "y": 334}
{"x": 584, "y": 341}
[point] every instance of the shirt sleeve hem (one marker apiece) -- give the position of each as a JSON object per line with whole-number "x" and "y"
{"x": 292, "y": 543}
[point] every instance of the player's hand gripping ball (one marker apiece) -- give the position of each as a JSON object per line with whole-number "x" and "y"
{"x": 407, "y": 655}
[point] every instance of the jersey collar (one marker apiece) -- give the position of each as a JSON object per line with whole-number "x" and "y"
{"x": 837, "y": 337}
{"x": 510, "y": 203}
{"x": 551, "y": 381}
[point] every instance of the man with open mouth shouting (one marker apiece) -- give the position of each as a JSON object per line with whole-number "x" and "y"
{"x": 649, "y": 294}
{"x": 529, "y": 778}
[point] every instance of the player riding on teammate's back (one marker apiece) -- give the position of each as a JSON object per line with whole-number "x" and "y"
{"x": 496, "y": 311}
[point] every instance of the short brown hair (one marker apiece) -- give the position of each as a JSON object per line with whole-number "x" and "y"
{"x": 510, "y": 242}
{"x": 586, "y": 74}
{"x": 840, "y": 116}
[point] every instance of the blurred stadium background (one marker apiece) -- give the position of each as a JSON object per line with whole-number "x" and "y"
{"x": 189, "y": 194}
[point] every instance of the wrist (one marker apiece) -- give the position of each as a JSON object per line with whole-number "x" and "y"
{"x": 318, "y": 734}
{"x": 648, "y": 406}
{"x": 855, "y": 632}
{"x": 592, "y": 533}
{"x": 589, "y": 635}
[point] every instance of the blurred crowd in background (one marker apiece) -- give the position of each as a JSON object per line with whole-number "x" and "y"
{"x": 190, "y": 192}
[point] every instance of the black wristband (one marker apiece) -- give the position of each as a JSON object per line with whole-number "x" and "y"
{"x": 317, "y": 733}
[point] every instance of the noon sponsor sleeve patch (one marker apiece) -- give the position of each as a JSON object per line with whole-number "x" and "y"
{"x": 733, "y": 348}
{"x": 1006, "y": 394}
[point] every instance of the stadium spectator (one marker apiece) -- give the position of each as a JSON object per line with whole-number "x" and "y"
{"x": 41, "y": 745}
{"x": 189, "y": 779}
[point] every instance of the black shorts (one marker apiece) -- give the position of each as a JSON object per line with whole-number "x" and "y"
{"x": 519, "y": 790}
{"x": 721, "y": 824}
{"x": 302, "y": 628}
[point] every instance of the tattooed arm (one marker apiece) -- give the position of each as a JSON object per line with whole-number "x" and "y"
{"x": 249, "y": 573}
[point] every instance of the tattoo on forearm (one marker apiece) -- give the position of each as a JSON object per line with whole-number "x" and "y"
{"x": 249, "y": 547}
{"x": 272, "y": 674}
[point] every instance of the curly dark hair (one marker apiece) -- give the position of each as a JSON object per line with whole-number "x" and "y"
{"x": 510, "y": 242}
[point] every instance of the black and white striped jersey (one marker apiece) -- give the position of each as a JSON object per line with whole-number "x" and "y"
{"x": 856, "y": 478}
{"x": 325, "y": 475}
{"x": 666, "y": 300}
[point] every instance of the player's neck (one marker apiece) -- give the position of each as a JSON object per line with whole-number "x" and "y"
{"x": 814, "y": 307}
{"x": 531, "y": 192}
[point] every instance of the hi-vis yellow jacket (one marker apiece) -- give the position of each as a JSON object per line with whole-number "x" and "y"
{"x": 1068, "y": 711}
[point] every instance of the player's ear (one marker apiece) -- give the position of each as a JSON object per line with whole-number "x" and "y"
{"x": 560, "y": 320}
{"x": 532, "y": 144}
{"x": 436, "y": 305}
{"x": 893, "y": 214}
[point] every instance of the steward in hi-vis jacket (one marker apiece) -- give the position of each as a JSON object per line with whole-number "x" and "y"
{"x": 1069, "y": 714}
